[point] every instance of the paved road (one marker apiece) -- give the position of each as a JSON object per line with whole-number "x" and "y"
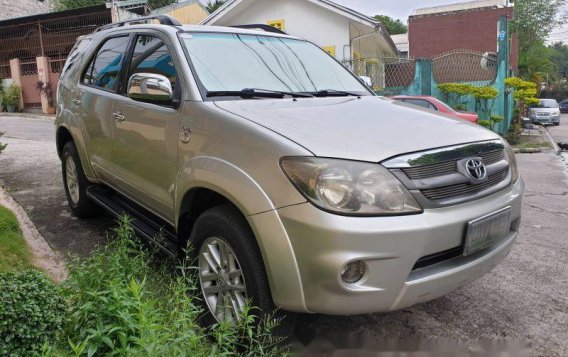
{"x": 524, "y": 299}
{"x": 31, "y": 171}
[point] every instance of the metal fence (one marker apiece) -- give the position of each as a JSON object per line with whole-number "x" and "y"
{"x": 52, "y": 37}
{"x": 465, "y": 66}
{"x": 5, "y": 71}
{"x": 384, "y": 72}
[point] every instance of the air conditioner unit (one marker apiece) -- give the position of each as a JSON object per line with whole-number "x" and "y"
{"x": 489, "y": 60}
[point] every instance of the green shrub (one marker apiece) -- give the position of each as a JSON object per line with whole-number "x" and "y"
{"x": 2, "y": 146}
{"x": 124, "y": 302}
{"x": 31, "y": 312}
{"x": 12, "y": 95}
{"x": 485, "y": 123}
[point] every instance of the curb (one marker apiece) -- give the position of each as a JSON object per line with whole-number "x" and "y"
{"x": 551, "y": 140}
{"x": 28, "y": 116}
{"x": 44, "y": 257}
{"x": 527, "y": 150}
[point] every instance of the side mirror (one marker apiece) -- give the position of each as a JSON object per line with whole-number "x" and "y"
{"x": 367, "y": 80}
{"x": 150, "y": 87}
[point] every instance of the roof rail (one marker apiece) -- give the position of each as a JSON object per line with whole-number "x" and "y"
{"x": 164, "y": 20}
{"x": 264, "y": 27}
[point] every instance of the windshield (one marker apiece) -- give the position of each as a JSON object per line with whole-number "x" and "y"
{"x": 548, "y": 103}
{"x": 233, "y": 62}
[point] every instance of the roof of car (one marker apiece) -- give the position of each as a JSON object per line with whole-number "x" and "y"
{"x": 197, "y": 28}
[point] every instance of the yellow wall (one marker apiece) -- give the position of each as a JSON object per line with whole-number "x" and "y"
{"x": 191, "y": 14}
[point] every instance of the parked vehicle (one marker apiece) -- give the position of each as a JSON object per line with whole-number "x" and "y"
{"x": 293, "y": 184}
{"x": 563, "y": 106}
{"x": 436, "y": 104}
{"x": 546, "y": 112}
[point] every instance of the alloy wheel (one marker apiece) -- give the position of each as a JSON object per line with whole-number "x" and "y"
{"x": 221, "y": 279}
{"x": 71, "y": 178}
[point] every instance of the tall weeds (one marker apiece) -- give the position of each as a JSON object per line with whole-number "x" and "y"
{"x": 124, "y": 302}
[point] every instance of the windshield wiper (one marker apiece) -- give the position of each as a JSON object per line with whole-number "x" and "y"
{"x": 249, "y": 93}
{"x": 334, "y": 92}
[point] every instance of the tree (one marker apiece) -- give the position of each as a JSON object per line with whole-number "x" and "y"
{"x": 212, "y": 6}
{"x": 60, "y": 5}
{"x": 559, "y": 58}
{"x": 534, "y": 20}
{"x": 535, "y": 63}
{"x": 394, "y": 27}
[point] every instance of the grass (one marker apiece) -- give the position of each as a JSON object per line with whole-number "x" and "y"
{"x": 14, "y": 253}
{"x": 543, "y": 144}
{"x": 123, "y": 301}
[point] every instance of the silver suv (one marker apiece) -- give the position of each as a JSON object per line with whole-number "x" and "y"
{"x": 294, "y": 185}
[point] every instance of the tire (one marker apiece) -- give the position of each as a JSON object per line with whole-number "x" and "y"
{"x": 76, "y": 184}
{"x": 226, "y": 225}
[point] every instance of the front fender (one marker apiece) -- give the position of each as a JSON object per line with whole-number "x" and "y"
{"x": 246, "y": 194}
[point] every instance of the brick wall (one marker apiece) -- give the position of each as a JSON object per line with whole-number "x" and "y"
{"x": 476, "y": 29}
{"x": 19, "y": 8}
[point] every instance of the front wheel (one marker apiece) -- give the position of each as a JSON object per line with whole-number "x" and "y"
{"x": 231, "y": 270}
{"x": 76, "y": 183}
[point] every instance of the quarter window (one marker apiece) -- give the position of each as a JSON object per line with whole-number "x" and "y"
{"x": 152, "y": 56}
{"x": 104, "y": 69}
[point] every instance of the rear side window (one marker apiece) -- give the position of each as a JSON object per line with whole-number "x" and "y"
{"x": 152, "y": 56}
{"x": 104, "y": 69}
{"x": 75, "y": 54}
{"x": 419, "y": 102}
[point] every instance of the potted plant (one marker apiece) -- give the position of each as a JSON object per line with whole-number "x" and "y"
{"x": 45, "y": 90}
{"x": 12, "y": 97}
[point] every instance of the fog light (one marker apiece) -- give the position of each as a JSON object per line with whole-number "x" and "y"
{"x": 353, "y": 271}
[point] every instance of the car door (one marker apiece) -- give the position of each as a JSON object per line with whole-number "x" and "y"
{"x": 144, "y": 154}
{"x": 93, "y": 100}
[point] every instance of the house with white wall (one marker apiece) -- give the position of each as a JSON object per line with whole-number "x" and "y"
{"x": 344, "y": 33}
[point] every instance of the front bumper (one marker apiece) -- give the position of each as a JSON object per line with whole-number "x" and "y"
{"x": 545, "y": 120}
{"x": 390, "y": 247}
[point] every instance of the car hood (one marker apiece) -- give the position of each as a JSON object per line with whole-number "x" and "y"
{"x": 367, "y": 129}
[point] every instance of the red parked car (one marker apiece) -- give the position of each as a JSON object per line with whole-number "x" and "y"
{"x": 435, "y": 104}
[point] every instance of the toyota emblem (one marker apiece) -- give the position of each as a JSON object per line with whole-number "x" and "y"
{"x": 476, "y": 169}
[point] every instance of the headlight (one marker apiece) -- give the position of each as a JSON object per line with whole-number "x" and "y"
{"x": 512, "y": 161}
{"x": 350, "y": 187}
{"x": 557, "y": 112}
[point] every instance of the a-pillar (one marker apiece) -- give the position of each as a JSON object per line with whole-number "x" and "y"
{"x": 43, "y": 75}
{"x": 17, "y": 78}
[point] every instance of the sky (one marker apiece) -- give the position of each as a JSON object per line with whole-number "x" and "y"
{"x": 401, "y": 9}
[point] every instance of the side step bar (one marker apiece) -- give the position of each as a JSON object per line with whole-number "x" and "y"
{"x": 144, "y": 223}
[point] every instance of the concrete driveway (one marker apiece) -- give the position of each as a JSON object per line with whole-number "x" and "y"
{"x": 524, "y": 299}
{"x": 31, "y": 171}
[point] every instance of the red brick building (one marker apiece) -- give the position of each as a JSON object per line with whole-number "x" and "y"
{"x": 472, "y": 25}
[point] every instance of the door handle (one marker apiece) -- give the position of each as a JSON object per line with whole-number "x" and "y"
{"x": 118, "y": 116}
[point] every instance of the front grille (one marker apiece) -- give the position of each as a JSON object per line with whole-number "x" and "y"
{"x": 463, "y": 188}
{"x": 447, "y": 167}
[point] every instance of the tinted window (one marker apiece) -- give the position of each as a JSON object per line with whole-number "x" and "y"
{"x": 419, "y": 102}
{"x": 152, "y": 56}
{"x": 104, "y": 69}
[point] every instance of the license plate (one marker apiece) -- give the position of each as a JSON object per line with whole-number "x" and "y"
{"x": 542, "y": 114}
{"x": 483, "y": 232}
